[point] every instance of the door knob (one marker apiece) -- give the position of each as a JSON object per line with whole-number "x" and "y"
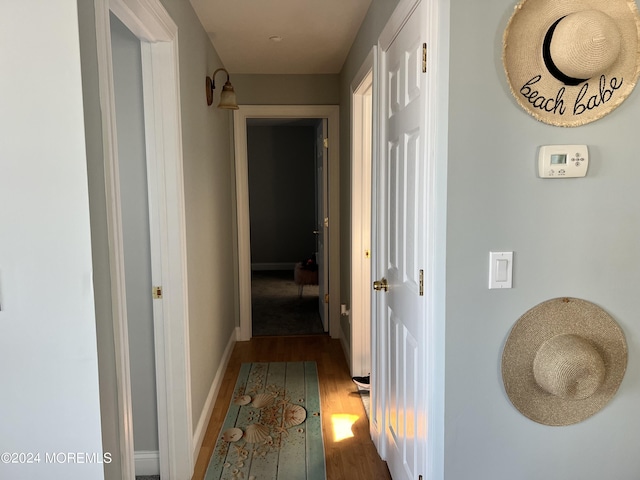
{"x": 381, "y": 285}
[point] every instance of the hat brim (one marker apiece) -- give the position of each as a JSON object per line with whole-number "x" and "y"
{"x": 546, "y": 98}
{"x": 557, "y": 317}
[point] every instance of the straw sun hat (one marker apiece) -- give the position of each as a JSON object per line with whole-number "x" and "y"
{"x": 570, "y": 62}
{"x": 563, "y": 361}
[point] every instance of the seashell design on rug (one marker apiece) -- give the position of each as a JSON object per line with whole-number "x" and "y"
{"x": 243, "y": 400}
{"x": 255, "y": 433}
{"x": 263, "y": 400}
{"x": 232, "y": 435}
{"x": 293, "y": 415}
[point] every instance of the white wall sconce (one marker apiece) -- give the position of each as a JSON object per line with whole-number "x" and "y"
{"x": 227, "y": 96}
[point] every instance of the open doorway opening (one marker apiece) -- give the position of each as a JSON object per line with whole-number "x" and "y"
{"x": 134, "y": 202}
{"x": 286, "y": 187}
{"x": 329, "y": 230}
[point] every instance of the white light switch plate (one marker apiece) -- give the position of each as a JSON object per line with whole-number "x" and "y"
{"x": 500, "y": 269}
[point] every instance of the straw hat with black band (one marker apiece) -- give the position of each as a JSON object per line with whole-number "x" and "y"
{"x": 563, "y": 361}
{"x": 570, "y": 62}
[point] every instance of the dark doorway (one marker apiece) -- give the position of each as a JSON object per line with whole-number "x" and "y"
{"x": 283, "y": 197}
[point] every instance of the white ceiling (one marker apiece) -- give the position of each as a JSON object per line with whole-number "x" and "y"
{"x": 316, "y": 34}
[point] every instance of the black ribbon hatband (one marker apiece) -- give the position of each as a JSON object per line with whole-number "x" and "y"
{"x": 548, "y": 61}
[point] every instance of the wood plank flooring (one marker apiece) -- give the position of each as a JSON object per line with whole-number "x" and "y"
{"x": 353, "y": 458}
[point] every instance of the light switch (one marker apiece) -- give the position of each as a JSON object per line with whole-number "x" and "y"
{"x": 500, "y": 269}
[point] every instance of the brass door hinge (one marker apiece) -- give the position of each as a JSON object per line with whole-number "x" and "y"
{"x": 424, "y": 58}
{"x": 156, "y": 292}
{"x": 326, "y": 298}
{"x": 421, "y": 283}
{"x": 325, "y": 142}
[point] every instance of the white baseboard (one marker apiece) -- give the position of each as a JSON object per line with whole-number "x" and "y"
{"x": 273, "y": 266}
{"x": 207, "y": 410}
{"x": 346, "y": 349}
{"x": 147, "y": 462}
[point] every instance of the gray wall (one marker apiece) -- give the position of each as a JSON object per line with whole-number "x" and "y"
{"x": 127, "y": 77}
{"x": 495, "y": 202}
{"x": 209, "y": 201}
{"x": 286, "y": 89}
{"x": 282, "y": 193}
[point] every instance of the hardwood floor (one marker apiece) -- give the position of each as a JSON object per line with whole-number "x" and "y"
{"x": 353, "y": 458}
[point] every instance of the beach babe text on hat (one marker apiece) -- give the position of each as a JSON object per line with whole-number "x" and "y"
{"x": 570, "y": 62}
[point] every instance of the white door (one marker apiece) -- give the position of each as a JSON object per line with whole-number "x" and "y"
{"x": 401, "y": 249}
{"x": 322, "y": 227}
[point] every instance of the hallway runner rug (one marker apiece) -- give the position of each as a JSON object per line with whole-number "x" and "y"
{"x": 273, "y": 429}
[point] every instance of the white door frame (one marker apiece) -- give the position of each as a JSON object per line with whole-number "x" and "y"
{"x": 362, "y": 104}
{"x": 436, "y": 128}
{"x": 151, "y": 23}
{"x": 331, "y": 113}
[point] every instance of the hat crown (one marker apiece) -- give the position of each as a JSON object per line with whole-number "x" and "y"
{"x": 569, "y": 367}
{"x": 585, "y": 44}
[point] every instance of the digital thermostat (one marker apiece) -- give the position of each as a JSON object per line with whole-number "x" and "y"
{"x": 563, "y": 161}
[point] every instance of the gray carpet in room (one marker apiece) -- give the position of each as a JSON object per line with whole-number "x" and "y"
{"x": 147, "y": 477}
{"x": 277, "y": 309}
